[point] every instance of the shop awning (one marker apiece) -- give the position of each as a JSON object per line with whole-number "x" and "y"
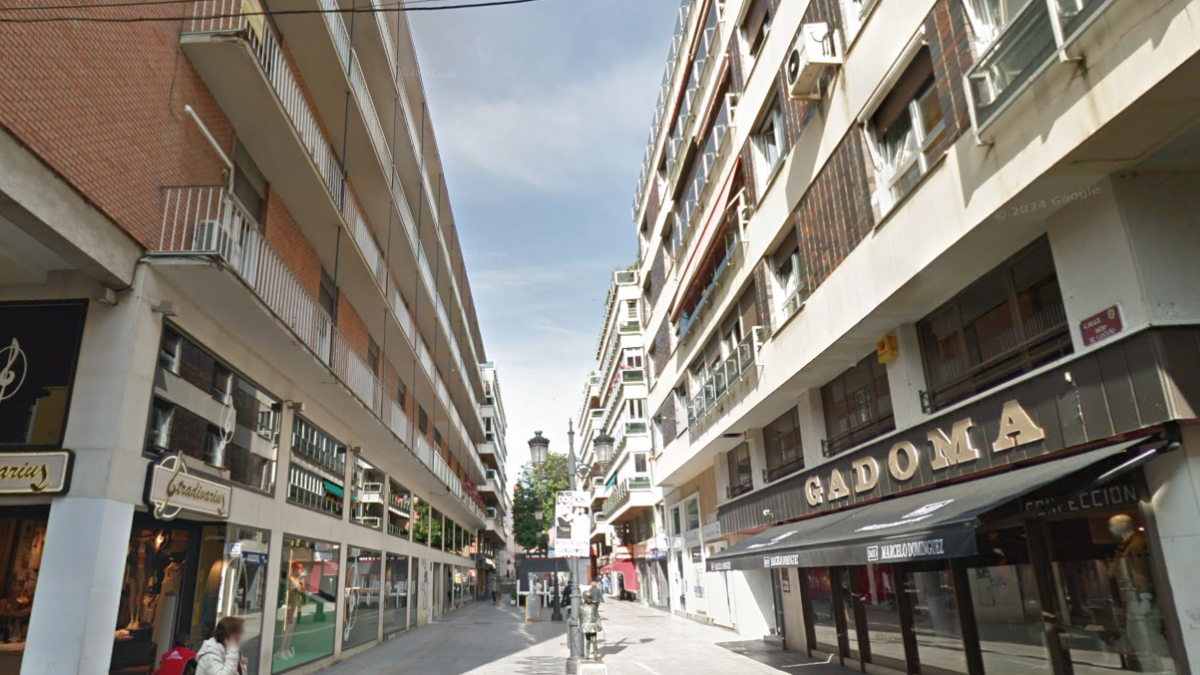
{"x": 938, "y": 523}
{"x": 627, "y": 571}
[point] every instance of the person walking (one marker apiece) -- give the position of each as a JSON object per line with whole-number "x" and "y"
{"x": 176, "y": 661}
{"x": 221, "y": 654}
{"x": 495, "y": 589}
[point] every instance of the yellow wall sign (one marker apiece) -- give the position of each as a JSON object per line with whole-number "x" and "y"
{"x": 888, "y": 349}
{"x": 35, "y": 473}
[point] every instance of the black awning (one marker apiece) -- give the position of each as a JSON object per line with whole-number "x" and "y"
{"x": 938, "y": 523}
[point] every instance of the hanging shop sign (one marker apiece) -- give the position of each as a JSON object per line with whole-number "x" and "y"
{"x": 171, "y": 490}
{"x": 572, "y": 524}
{"x": 36, "y": 473}
{"x": 39, "y": 348}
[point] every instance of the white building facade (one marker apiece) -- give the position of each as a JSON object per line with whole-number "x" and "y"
{"x": 899, "y": 251}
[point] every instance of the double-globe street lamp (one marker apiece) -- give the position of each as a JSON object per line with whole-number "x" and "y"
{"x": 539, "y": 452}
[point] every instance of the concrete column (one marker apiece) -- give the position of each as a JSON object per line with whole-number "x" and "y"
{"x": 79, "y": 588}
{"x": 812, "y": 426}
{"x": 906, "y": 378}
{"x": 758, "y": 456}
{"x": 721, "y": 474}
{"x": 1174, "y": 482}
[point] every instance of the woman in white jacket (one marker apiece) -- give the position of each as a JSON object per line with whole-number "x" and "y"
{"x": 221, "y": 654}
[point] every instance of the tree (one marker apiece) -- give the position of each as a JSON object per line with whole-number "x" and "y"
{"x": 538, "y": 488}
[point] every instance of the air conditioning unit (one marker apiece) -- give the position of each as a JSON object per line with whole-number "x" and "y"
{"x": 818, "y": 47}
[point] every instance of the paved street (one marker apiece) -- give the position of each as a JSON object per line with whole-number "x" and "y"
{"x": 485, "y": 640}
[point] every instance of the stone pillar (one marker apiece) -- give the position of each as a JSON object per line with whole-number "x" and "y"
{"x": 812, "y": 426}
{"x": 79, "y": 588}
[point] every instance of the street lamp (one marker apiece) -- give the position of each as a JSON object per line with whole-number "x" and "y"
{"x": 539, "y": 449}
{"x": 603, "y": 445}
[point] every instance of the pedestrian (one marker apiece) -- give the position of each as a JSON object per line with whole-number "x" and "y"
{"x": 565, "y": 599}
{"x": 221, "y": 654}
{"x": 177, "y": 660}
{"x": 495, "y": 590}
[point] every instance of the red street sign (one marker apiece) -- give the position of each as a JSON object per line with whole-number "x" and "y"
{"x": 1101, "y": 326}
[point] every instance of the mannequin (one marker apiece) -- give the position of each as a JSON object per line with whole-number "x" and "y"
{"x": 1131, "y": 573}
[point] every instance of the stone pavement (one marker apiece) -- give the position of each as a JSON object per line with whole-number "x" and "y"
{"x": 482, "y": 639}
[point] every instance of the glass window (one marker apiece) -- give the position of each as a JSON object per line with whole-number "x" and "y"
{"x": 422, "y": 420}
{"x": 741, "y": 480}
{"x": 415, "y": 587}
{"x": 222, "y": 383}
{"x": 639, "y": 463}
{"x": 364, "y": 584}
{"x": 316, "y": 476}
{"x": 820, "y": 598}
{"x": 372, "y": 355}
{"x": 395, "y": 594}
{"x": 327, "y": 294}
{"x": 905, "y": 126}
{"x": 770, "y": 141}
{"x": 857, "y": 405}
{"x": 158, "y": 436}
{"x": 436, "y": 528}
{"x": 399, "y": 507}
{"x": 401, "y": 390}
{"x": 305, "y": 624}
{"x": 367, "y": 495}
{"x": 1006, "y": 605}
{"x": 692, "y": 514}
{"x": 232, "y": 581}
{"x": 756, "y": 26}
{"x": 875, "y": 587}
{"x": 936, "y": 624}
{"x": 420, "y": 521}
{"x": 249, "y": 185}
{"x": 676, "y": 528}
{"x": 168, "y": 355}
{"x": 1106, "y": 588}
{"x": 1007, "y": 323}
{"x": 781, "y": 439}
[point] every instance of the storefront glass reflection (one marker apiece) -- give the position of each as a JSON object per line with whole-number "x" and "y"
{"x": 22, "y": 540}
{"x": 1109, "y": 599}
{"x": 935, "y": 622}
{"x": 305, "y": 622}
{"x": 158, "y": 560}
{"x": 875, "y": 588}
{"x": 232, "y": 581}
{"x": 360, "y": 622}
{"x": 395, "y": 594}
{"x": 1008, "y": 613}
{"x": 820, "y": 594}
{"x": 416, "y": 586}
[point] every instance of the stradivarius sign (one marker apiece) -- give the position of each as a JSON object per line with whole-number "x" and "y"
{"x": 171, "y": 490}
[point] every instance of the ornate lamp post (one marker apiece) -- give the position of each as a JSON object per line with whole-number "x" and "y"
{"x": 539, "y": 449}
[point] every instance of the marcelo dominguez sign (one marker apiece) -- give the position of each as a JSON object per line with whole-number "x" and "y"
{"x": 171, "y": 490}
{"x": 35, "y": 473}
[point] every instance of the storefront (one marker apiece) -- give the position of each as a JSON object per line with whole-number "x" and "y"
{"x": 1013, "y": 535}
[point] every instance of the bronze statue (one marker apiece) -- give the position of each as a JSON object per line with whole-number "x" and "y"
{"x": 589, "y": 622}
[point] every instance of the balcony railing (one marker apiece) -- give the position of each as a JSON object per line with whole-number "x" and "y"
{"x": 728, "y": 373}
{"x": 1039, "y": 36}
{"x": 225, "y": 16}
{"x": 862, "y": 433}
{"x": 204, "y": 221}
{"x": 738, "y": 490}
{"x": 622, "y": 492}
{"x": 773, "y": 473}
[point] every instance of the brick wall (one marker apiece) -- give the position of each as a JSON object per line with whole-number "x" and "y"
{"x": 658, "y": 273}
{"x": 351, "y": 325}
{"x": 950, "y": 48}
{"x": 288, "y": 241}
{"x": 662, "y": 346}
{"x": 102, "y": 105}
{"x": 666, "y": 417}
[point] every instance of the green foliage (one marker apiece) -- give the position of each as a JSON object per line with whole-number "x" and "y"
{"x": 537, "y": 488}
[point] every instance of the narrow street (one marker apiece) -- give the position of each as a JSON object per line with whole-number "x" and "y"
{"x": 640, "y": 641}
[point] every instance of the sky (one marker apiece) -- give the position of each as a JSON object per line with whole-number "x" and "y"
{"x": 542, "y": 112}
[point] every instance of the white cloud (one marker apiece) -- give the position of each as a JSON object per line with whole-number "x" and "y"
{"x": 565, "y": 137}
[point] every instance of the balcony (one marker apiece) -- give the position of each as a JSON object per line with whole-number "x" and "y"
{"x": 213, "y": 251}
{"x": 632, "y": 492}
{"x": 371, "y": 493}
{"x": 722, "y": 379}
{"x": 242, "y": 62}
{"x": 735, "y": 491}
{"x": 1040, "y": 36}
{"x": 493, "y": 483}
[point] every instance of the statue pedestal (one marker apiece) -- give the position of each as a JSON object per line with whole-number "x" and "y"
{"x": 592, "y": 668}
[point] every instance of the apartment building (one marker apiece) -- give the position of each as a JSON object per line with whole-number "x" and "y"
{"x": 241, "y": 372}
{"x": 615, "y": 446}
{"x": 920, "y": 332}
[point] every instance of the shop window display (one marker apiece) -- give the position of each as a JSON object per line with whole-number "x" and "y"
{"x": 158, "y": 562}
{"x": 395, "y": 594}
{"x": 305, "y": 622}
{"x": 875, "y": 588}
{"x": 1109, "y": 601}
{"x": 22, "y": 539}
{"x": 232, "y": 581}
{"x": 360, "y": 620}
{"x": 820, "y": 593}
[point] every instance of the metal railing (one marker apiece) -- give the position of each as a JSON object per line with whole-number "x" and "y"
{"x": 839, "y": 443}
{"x": 790, "y": 466}
{"x": 1038, "y": 36}
{"x": 721, "y": 379}
{"x": 206, "y": 221}
{"x": 621, "y": 493}
{"x": 738, "y": 490}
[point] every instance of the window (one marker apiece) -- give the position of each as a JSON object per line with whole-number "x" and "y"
{"x": 741, "y": 480}
{"x": 989, "y": 17}
{"x": 1007, "y": 323}
{"x": 676, "y": 527}
{"x": 401, "y": 390}
{"x": 633, "y": 358}
{"x": 161, "y": 414}
{"x": 857, "y": 405}
{"x": 637, "y": 409}
{"x": 691, "y": 512}
{"x": 222, "y": 383}
{"x": 328, "y": 293}
{"x": 756, "y": 27}
{"x": 214, "y": 447}
{"x": 422, "y": 420}
{"x": 372, "y": 355}
{"x": 437, "y": 438}
{"x": 904, "y": 129}
{"x": 781, "y": 439}
{"x": 249, "y": 185}
{"x": 770, "y": 143}
{"x": 790, "y": 285}
{"x": 168, "y": 354}
{"x": 854, "y": 14}
{"x": 639, "y": 463}
{"x": 266, "y": 424}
